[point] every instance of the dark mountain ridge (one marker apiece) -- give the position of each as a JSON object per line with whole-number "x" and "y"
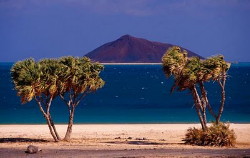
{"x": 129, "y": 49}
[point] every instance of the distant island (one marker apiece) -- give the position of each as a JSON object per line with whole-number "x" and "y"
{"x": 129, "y": 49}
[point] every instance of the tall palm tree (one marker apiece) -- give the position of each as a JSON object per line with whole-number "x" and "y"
{"x": 81, "y": 77}
{"x": 190, "y": 73}
{"x": 37, "y": 80}
{"x": 68, "y": 77}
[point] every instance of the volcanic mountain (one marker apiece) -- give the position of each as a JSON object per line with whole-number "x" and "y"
{"x": 129, "y": 49}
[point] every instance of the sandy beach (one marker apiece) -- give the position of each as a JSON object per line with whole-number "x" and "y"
{"x": 116, "y": 140}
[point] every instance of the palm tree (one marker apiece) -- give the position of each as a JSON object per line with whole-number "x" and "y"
{"x": 190, "y": 73}
{"x": 68, "y": 77}
{"x": 80, "y": 78}
{"x": 37, "y": 80}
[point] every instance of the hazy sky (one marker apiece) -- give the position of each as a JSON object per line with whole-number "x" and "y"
{"x": 53, "y": 28}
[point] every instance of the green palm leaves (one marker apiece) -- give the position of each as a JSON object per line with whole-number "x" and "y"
{"x": 189, "y": 71}
{"x": 55, "y": 76}
{"x": 81, "y": 75}
{"x": 174, "y": 61}
{"x": 26, "y": 78}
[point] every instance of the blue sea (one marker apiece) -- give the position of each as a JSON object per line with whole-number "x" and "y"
{"x": 132, "y": 94}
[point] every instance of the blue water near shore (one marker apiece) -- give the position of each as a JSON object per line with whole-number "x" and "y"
{"x": 132, "y": 94}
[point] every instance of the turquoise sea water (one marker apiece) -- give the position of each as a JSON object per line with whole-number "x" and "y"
{"x": 132, "y": 94}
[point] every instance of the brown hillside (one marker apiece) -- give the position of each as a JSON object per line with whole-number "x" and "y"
{"x": 129, "y": 49}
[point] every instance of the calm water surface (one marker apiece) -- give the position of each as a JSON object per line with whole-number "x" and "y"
{"x": 132, "y": 94}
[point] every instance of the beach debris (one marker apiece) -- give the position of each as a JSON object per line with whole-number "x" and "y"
{"x": 31, "y": 149}
{"x": 117, "y": 137}
{"x": 162, "y": 140}
{"x": 129, "y": 138}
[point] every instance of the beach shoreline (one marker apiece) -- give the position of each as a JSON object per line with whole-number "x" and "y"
{"x": 112, "y": 140}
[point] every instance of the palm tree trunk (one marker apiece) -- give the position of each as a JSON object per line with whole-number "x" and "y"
{"x": 204, "y": 116}
{"x": 54, "y": 128}
{"x": 51, "y": 129}
{"x": 223, "y": 97}
{"x": 70, "y": 124}
{"x": 49, "y": 123}
{"x": 204, "y": 96}
{"x": 198, "y": 108}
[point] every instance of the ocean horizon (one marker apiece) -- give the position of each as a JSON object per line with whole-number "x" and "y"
{"x": 132, "y": 94}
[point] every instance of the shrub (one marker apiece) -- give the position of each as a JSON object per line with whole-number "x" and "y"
{"x": 215, "y": 135}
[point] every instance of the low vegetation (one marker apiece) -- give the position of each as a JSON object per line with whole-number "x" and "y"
{"x": 215, "y": 135}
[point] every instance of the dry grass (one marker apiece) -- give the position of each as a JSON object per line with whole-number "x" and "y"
{"x": 216, "y": 135}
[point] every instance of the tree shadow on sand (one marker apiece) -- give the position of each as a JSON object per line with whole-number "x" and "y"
{"x": 137, "y": 143}
{"x": 12, "y": 140}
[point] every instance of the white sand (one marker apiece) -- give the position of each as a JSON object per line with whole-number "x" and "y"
{"x": 112, "y": 139}
{"x": 173, "y": 133}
